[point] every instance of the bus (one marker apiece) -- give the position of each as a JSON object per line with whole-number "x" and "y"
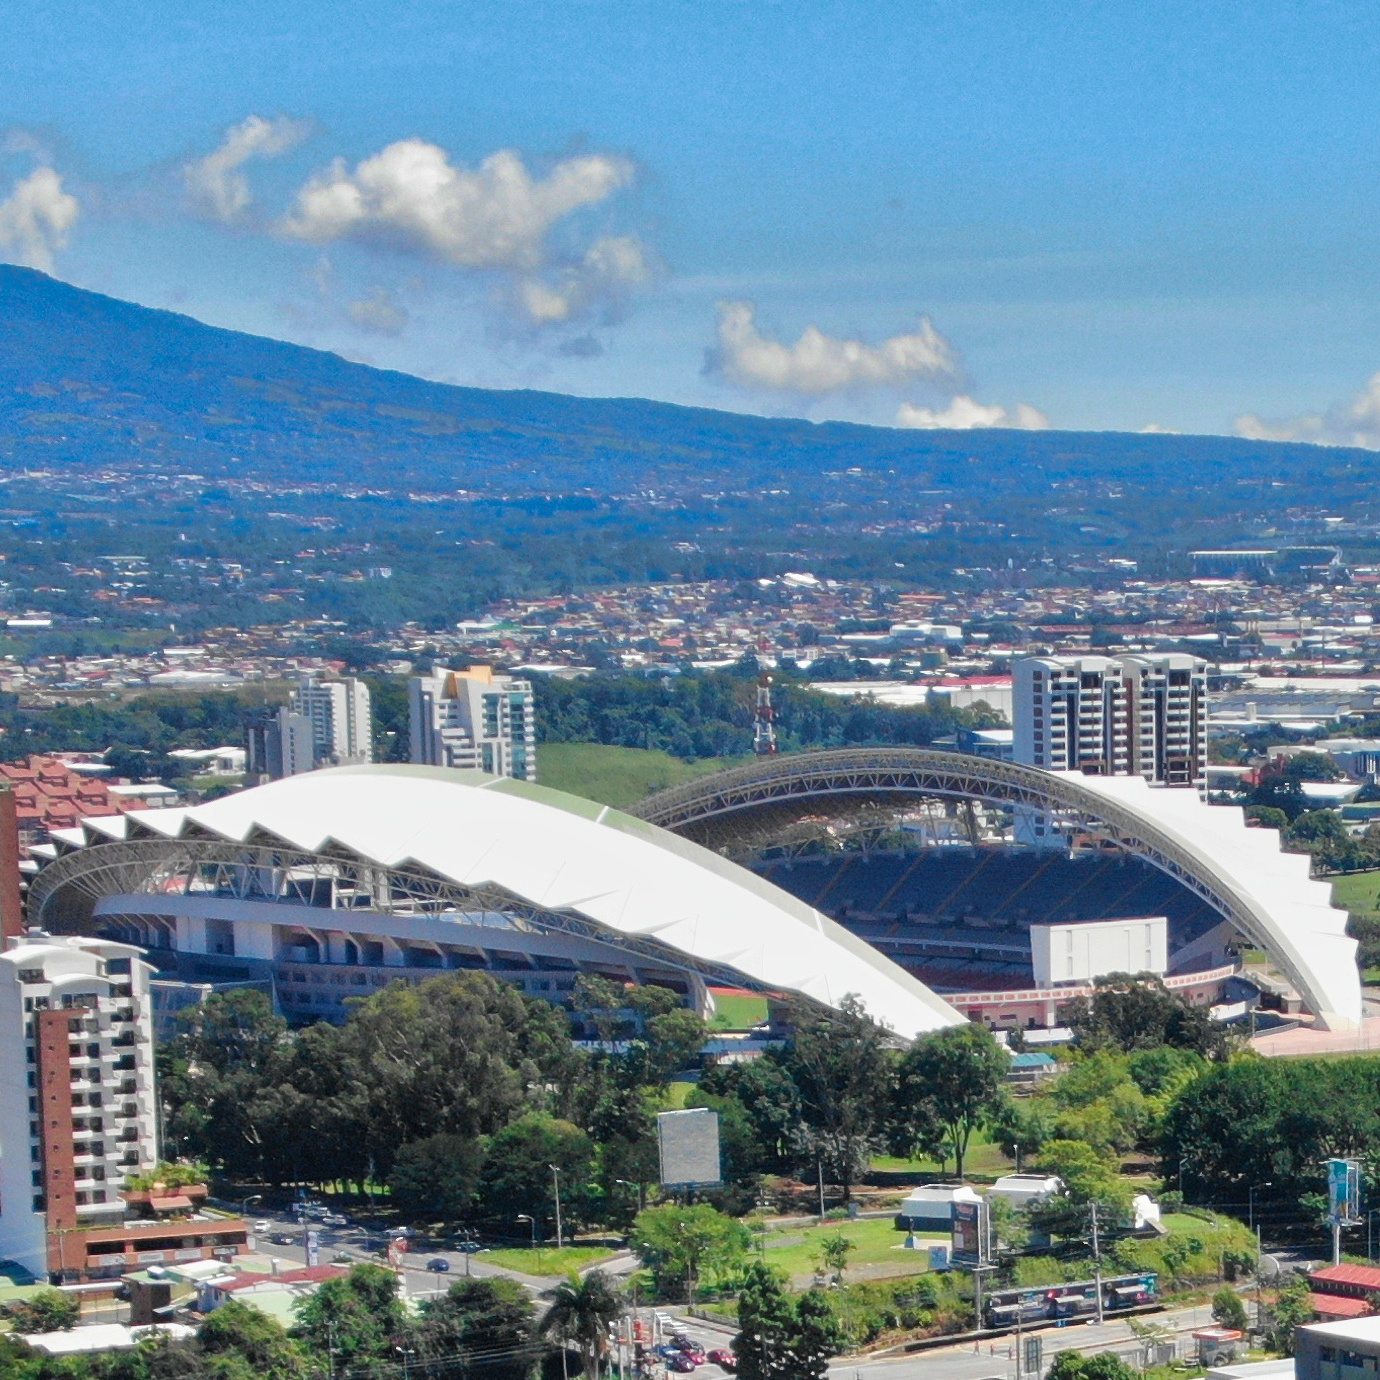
{"x": 1056, "y": 1302}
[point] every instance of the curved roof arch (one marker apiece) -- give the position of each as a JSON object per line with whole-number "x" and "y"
{"x": 1241, "y": 872}
{"x": 558, "y": 854}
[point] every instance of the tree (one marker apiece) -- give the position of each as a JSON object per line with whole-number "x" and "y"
{"x": 679, "y": 1243}
{"x": 583, "y": 1311}
{"x": 1020, "y": 1127}
{"x": 834, "y": 1252}
{"x": 1228, "y": 1310}
{"x": 778, "y": 1341}
{"x": 1073, "y": 1365}
{"x": 46, "y": 1310}
{"x": 1131, "y": 1012}
{"x": 487, "y": 1321}
{"x": 766, "y": 1325}
{"x": 235, "y": 1329}
{"x": 435, "y": 1178}
{"x": 817, "y": 1337}
{"x": 353, "y": 1318}
{"x": 1293, "y": 1309}
{"x": 517, "y": 1174}
{"x": 840, "y": 1063}
{"x": 960, "y": 1070}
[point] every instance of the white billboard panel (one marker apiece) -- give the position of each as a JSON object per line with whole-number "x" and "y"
{"x": 689, "y": 1147}
{"x": 1091, "y": 949}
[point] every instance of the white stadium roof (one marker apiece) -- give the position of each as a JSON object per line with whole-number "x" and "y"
{"x": 1287, "y": 912}
{"x": 557, "y": 852}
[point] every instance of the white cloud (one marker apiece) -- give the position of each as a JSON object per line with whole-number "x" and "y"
{"x": 379, "y": 311}
{"x": 217, "y": 184}
{"x": 965, "y": 414}
{"x": 495, "y": 216}
{"x": 35, "y": 219}
{"x": 611, "y": 268}
{"x": 1355, "y": 422}
{"x": 817, "y": 363}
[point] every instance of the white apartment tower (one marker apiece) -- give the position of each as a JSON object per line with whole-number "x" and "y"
{"x": 1113, "y": 716}
{"x": 325, "y": 723}
{"x": 342, "y": 723}
{"x": 76, "y": 1097}
{"x": 474, "y": 719}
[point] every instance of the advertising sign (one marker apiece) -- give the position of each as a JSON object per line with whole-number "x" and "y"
{"x": 972, "y": 1234}
{"x": 1344, "y": 1191}
{"x": 689, "y": 1144}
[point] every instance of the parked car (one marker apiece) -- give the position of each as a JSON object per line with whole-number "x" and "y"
{"x": 438, "y": 1265}
{"x": 334, "y": 1219}
{"x": 694, "y": 1351}
{"x": 283, "y": 1238}
{"x": 724, "y": 1359}
{"x": 262, "y": 1227}
{"x": 681, "y": 1363}
{"x": 468, "y": 1247}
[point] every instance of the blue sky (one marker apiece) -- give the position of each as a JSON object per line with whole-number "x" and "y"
{"x": 1109, "y": 215}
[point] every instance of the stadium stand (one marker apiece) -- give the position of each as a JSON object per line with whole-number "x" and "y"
{"x": 959, "y": 918}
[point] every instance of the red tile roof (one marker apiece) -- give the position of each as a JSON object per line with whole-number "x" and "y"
{"x": 1334, "y": 1306}
{"x": 50, "y": 795}
{"x": 1367, "y": 1276}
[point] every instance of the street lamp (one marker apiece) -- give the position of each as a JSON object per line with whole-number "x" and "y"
{"x": 532, "y": 1222}
{"x": 556, "y": 1179}
{"x": 641, "y": 1201}
{"x": 245, "y": 1202}
{"x": 1250, "y": 1201}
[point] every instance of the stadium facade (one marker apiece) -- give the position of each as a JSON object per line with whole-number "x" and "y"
{"x": 332, "y": 884}
{"x": 337, "y": 882}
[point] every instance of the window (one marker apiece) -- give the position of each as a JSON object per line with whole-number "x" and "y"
{"x": 38, "y": 1202}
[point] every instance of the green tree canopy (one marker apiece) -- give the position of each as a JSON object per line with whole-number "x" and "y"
{"x": 959, "y": 1072}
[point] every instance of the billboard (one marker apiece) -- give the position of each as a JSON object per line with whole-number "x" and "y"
{"x": 1343, "y": 1191}
{"x": 689, "y": 1143}
{"x": 972, "y": 1234}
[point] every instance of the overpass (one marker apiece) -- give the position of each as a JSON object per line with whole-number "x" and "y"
{"x": 1267, "y": 894}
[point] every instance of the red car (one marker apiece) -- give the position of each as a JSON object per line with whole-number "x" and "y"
{"x": 725, "y": 1360}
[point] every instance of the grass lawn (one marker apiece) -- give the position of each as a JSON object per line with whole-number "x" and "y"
{"x": 738, "y": 1011}
{"x": 1358, "y": 892}
{"x": 547, "y": 1260}
{"x": 875, "y": 1255}
{"x": 676, "y": 1094}
{"x": 617, "y": 776}
{"x": 983, "y": 1161}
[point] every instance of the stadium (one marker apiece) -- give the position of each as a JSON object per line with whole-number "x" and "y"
{"x": 331, "y": 884}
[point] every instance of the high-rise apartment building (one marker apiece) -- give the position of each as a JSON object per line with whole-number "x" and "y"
{"x": 1141, "y": 715}
{"x": 341, "y": 718}
{"x": 77, "y": 1106}
{"x": 325, "y": 723}
{"x": 474, "y": 719}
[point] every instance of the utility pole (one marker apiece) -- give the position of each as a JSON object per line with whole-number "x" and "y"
{"x": 1097, "y": 1266}
{"x": 819, "y": 1166}
{"x": 1259, "y": 1305}
{"x": 556, "y": 1180}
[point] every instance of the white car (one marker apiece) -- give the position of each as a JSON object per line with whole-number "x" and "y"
{"x": 262, "y": 1227}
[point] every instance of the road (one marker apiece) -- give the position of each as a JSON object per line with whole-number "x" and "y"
{"x": 419, "y": 1281}
{"x": 995, "y": 1360}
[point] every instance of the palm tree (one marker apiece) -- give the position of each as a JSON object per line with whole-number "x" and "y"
{"x": 582, "y": 1311}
